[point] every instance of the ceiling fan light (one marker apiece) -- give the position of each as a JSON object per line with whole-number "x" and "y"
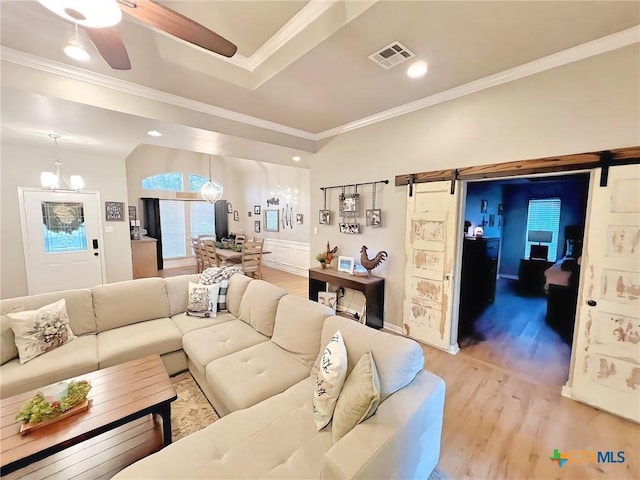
{"x": 76, "y": 52}
{"x": 211, "y": 191}
{"x": 92, "y": 14}
{"x": 76, "y": 182}
{"x": 48, "y": 180}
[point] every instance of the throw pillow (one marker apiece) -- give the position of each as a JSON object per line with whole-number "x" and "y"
{"x": 8, "y": 350}
{"x": 359, "y": 398}
{"x": 222, "y": 295}
{"x": 329, "y": 380}
{"x": 42, "y": 330}
{"x": 203, "y": 298}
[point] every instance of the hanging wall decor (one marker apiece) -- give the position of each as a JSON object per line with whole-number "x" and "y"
{"x": 349, "y": 227}
{"x": 299, "y": 218}
{"x": 273, "y": 201}
{"x": 350, "y": 208}
{"x": 324, "y": 215}
{"x": 374, "y": 215}
{"x": 349, "y": 204}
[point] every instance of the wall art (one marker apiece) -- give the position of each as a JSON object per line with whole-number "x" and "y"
{"x": 114, "y": 211}
{"x": 349, "y": 204}
{"x": 351, "y": 228}
{"x": 374, "y": 217}
{"x": 324, "y": 217}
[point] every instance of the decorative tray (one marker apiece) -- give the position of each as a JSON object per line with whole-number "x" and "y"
{"x": 26, "y": 428}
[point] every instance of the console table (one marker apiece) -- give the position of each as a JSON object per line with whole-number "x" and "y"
{"x": 372, "y": 287}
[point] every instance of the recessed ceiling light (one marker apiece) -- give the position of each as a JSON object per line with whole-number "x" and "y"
{"x": 76, "y": 52}
{"x": 154, "y": 133}
{"x": 104, "y": 13}
{"x": 417, "y": 69}
{"x": 296, "y": 158}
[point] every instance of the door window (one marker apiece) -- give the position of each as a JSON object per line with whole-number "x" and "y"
{"x": 63, "y": 227}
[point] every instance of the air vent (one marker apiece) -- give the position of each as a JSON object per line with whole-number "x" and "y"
{"x": 392, "y": 55}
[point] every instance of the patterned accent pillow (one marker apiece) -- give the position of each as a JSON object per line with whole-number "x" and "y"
{"x": 203, "y": 298}
{"x": 219, "y": 276}
{"x": 8, "y": 350}
{"x": 42, "y": 330}
{"x": 222, "y": 295}
{"x": 329, "y": 380}
{"x": 358, "y": 399}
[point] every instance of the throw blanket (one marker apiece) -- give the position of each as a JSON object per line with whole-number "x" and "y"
{"x": 221, "y": 276}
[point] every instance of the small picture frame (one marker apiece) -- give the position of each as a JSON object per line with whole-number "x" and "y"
{"x": 114, "y": 211}
{"x": 236, "y": 215}
{"x": 229, "y": 208}
{"x": 249, "y": 214}
{"x": 350, "y": 228}
{"x": 500, "y": 209}
{"x": 324, "y": 217}
{"x": 132, "y": 213}
{"x": 256, "y": 226}
{"x": 330, "y": 299}
{"x": 299, "y": 218}
{"x": 483, "y": 206}
{"x": 256, "y": 210}
{"x": 345, "y": 264}
{"x": 374, "y": 217}
{"x": 349, "y": 204}
{"x": 492, "y": 220}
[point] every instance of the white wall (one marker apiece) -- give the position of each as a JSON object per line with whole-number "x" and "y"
{"x": 20, "y": 166}
{"x": 586, "y": 106}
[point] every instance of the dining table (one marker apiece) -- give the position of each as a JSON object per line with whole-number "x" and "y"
{"x": 227, "y": 254}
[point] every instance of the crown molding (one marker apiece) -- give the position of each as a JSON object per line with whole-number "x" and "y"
{"x": 58, "y": 68}
{"x": 605, "y": 44}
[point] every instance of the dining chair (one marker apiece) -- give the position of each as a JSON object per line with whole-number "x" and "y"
{"x": 197, "y": 253}
{"x": 211, "y": 258}
{"x": 240, "y": 238}
{"x": 252, "y": 258}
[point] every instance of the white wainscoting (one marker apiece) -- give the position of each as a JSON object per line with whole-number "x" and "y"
{"x": 292, "y": 257}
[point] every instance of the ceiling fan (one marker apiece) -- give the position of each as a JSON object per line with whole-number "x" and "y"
{"x": 99, "y": 18}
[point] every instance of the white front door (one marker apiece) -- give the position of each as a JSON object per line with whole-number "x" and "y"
{"x": 430, "y": 244}
{"x": 62, "y": 238}
{"x": 606, "y": 353}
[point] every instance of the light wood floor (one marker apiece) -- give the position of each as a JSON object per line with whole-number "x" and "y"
{"x": 500, "y": 425}
{"x": 518, "y": 338}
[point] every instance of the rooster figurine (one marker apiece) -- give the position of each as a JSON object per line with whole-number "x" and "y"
{"x": 370, "y": 264}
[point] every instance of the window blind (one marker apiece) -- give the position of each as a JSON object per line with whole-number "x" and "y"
{"x": 544, "y": 214}
{"x": 172, "y": 222}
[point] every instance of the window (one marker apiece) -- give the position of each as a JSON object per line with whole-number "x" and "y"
{"x": 544, "y": 214}
{"x": 172, "y": 223}
{"x": 196, "y": 182}
{"x": 202, "y": 218}
{"x": 163, "y": 181}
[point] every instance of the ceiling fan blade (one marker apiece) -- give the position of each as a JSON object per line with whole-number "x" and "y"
{"x": 177, "y": 25}
{"x": 108, "y": 42}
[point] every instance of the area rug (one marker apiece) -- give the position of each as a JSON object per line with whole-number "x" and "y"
{"x": 192, "y": 412}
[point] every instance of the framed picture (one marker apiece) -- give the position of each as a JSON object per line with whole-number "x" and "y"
{"x": 349, "y": 228}
{"x": 256, "y": 210}
{"x": 349, "y": 204}
{"x": 500, "y": 209}
{"x": 345, "y": 264}
{"x": 330, "y": 299}
{"x": 483, "y": 206}
{"x": 236, "y": 215}
{"x": 114, "y": 211}
{"x": 272, "y": 220}
{"x": 492, "y": 220}
{"x": 324, "y": 217}
{"x": 373, "y": 217}
{"x": 299, "y": 218}
{"x": 249, "y": 214}
{"x": 132, "y": 213}
{"x": 256, "y": 226}
{"x": 229, "y": 208}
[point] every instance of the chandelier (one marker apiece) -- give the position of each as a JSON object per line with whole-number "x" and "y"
{"x": 211, "y": 191}
{"x": 51, "y": 180}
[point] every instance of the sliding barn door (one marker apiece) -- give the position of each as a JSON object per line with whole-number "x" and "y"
{"x": 432, "y": 218}
{"x": 606, "y": 364}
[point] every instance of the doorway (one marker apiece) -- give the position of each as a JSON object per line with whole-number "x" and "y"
{"x": 62, "y": 239}
{"x": 520, "y": 270}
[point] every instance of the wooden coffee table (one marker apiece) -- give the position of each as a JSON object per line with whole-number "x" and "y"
{"x": 119, "y": 395}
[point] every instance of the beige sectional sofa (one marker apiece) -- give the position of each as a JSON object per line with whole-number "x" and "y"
{"x": 257, "y": 365}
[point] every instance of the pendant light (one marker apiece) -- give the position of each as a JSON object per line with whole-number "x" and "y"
{"x": 211, "y": 191}
{"x": 51, "y": 180}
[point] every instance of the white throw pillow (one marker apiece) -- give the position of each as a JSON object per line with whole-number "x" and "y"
{"x": 203, "y": 298}
{"x": 42, "y": 330}
{"x": 359, "y": 398}
{"x": 8, "y": 350}
{"x": 329, "y": 380}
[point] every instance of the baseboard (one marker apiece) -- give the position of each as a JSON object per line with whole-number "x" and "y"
{"x": 393, "y": 328}
{"x": 300, "y": 271}
{"x": 567, "y": 392}
{"x": 179, "y": 262}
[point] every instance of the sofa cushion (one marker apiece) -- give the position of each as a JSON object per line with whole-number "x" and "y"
{"x": 398, "y": 359}
{"x": 78, "y": 302}
{"x": 275, "y": 439}
{"x": 8, "y": 349}
{"x": 123, "y": 303}
{"x": 358, "y": 399}
{"x": 137, "y": 340}
{"x": 178, "y": 291}
{"x": 41, "y": 331}
{"x": 69, "y": 360}
{"x": 298, "y": 327}
{"x": 259, "y": 305}
{"x": 207, "y": 344}
{"x": 249, "y": 376}
{"x": 237, "y": 287}
{"x": 187, "y": 323}
{"x": 329, "y": 380}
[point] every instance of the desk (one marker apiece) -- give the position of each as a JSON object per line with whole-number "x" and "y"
{"x": 372, "y": 287}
